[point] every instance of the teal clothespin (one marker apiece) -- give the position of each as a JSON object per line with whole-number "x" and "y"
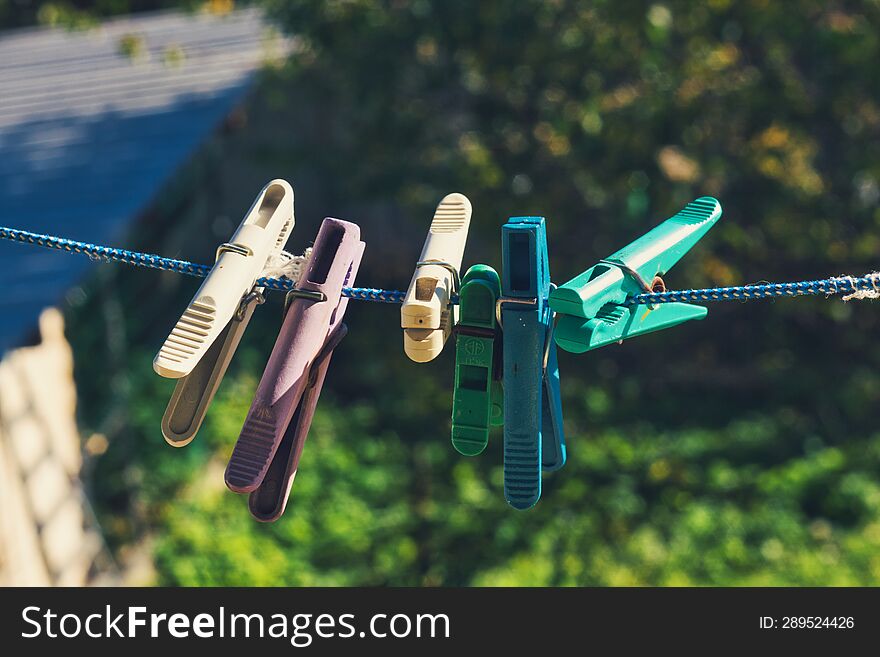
{"x": 590, "y": 306}
{"x": 477, "y": 399}
{"x": 533, "y": 431}
{"x": 553, "y": 438}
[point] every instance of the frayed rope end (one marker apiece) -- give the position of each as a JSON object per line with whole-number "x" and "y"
{"x": 286, "y": 265}
{"x": 859, "y": 295}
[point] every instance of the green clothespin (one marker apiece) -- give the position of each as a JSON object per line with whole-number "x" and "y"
{"x": 477, "y": 400}
{"x": 590, "y": 306}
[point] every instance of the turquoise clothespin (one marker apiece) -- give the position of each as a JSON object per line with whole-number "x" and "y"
{"x": 590, "y": 306}
{"x": 533, "y": 431}
{"x": 553, "y": 443}
{"x": 477, "y": 399}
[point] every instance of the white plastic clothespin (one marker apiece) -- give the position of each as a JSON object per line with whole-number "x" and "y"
{"x": 427, "y": 315}
{"x": 200, "y": 346}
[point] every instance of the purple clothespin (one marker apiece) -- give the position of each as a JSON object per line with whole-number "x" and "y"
{"x": 266, "y": 456}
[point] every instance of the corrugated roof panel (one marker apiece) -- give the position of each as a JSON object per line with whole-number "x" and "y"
{"x": 88, "y": 135}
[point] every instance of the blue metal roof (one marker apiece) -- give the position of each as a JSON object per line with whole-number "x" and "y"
{"x": 88, "y": 135}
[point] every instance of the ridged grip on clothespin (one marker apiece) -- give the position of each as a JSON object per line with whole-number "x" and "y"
{"x": 239, "y": 263}
{"x": 427, "y": 315}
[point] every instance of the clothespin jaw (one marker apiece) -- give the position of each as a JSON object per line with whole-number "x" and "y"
{"x": 267, "y": 503}
{"x": 288, "y": 386}
{"x": 194, "y": 392}
{"x": 201, "y": 345}
{"x": 532, "y": 406}
{"x": 614, "y": 323}
{"x": 553, "y": 452}
{"x": 591, "y": 305}
{"x": 427, "y": 314}
{"x": 477, "y": 399}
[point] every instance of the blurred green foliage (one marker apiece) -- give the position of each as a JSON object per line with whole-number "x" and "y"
{"x": 738, "y": 450}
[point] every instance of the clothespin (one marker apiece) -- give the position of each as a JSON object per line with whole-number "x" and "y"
{"x": 265, "y": 459}
{"x": 590, "y": 306}
{"x": 427, "y": 315}
{"x": 533, "y": 431}
{"x": 477, "y": 399}
{"x": 268, "y": 501}
{"x": 199, "y": 348}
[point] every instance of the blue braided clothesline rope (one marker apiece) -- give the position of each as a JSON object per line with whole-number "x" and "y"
{"x": 110, "y": 254}
{"x": 836, "y": 285}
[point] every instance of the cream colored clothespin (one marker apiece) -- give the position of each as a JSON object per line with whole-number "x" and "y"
{"x": 427, "y": 315}
{"x": 200, "y": 346}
